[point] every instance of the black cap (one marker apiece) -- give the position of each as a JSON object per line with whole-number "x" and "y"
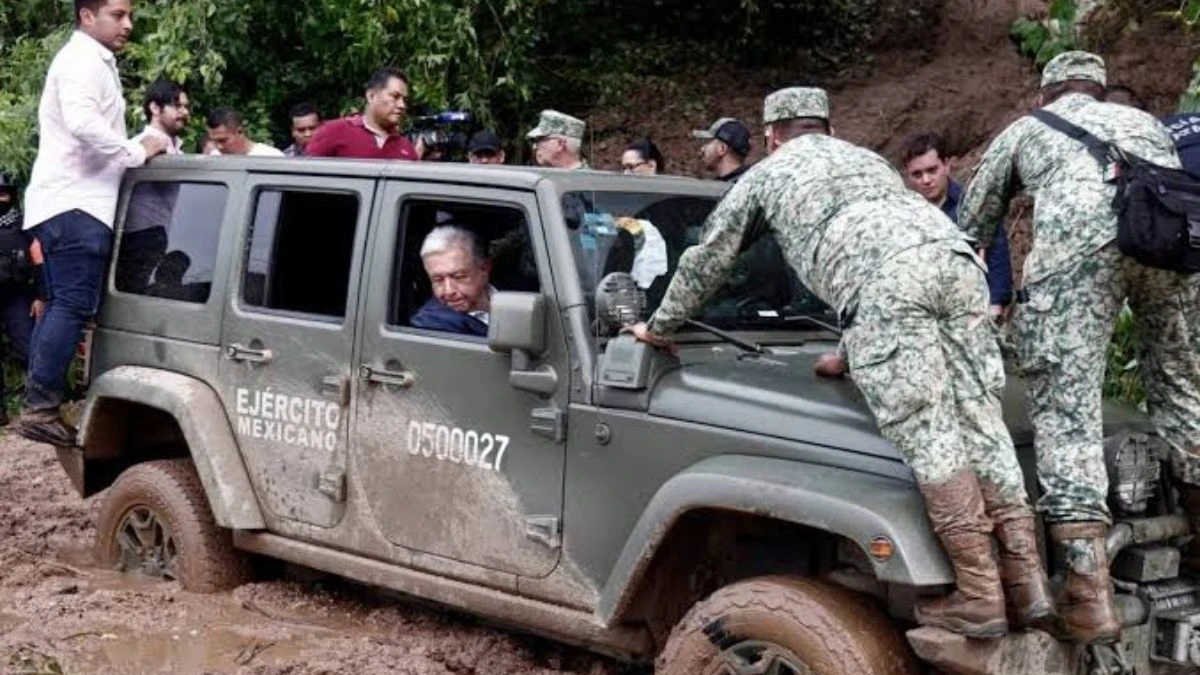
{"x": 730, "y": 132}
{"x": 484, "y": 141}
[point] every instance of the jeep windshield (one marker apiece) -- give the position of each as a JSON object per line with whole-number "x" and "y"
{"x": 645, "y": 233}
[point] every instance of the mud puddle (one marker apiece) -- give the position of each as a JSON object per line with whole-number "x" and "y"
{"x": 60, "y": 615}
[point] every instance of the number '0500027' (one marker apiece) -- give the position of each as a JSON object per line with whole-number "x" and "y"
{"x": 458, "y": 446}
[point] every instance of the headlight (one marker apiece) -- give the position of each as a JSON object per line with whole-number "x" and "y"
{"x": 1134, "y": 466}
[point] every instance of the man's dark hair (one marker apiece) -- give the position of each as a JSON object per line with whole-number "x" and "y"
{"x": 1053, "y": 92}
{"x": 786, "y": 130}
{"x": 225, "y": 116}
{"x": 303, "y": 109}
{"x": 381, "y": 77}
{"x": 162, "y": 91}
{"x": 920, "y": 143}
{"x": 90, "y": 5}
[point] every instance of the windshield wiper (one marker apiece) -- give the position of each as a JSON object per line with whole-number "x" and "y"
{"x": 726, "y": 336}
{"x": 804, "y": 318}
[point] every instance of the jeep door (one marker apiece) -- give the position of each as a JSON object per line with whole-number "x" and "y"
{"x": 288, "y": 337}
{"x": 454, "y": 461}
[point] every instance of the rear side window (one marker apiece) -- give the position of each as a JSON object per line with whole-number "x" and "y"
{"x": 168, "y": 246}
{"x": 300, "y": 252}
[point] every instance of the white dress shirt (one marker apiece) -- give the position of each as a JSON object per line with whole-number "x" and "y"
{"x": 83, "y": 149}
{"x": 174, "y": 143}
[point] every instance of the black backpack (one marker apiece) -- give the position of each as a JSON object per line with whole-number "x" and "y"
{"x": 1158, "y": 209}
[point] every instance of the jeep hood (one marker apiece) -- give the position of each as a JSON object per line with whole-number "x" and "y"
{"x": 779, "y": 395}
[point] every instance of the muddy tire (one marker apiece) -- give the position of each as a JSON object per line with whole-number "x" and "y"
{"x": 156, "y": 520}
{"x": 785, "y": 626}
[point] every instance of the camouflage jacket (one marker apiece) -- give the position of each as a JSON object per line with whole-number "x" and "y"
{"x": 1072, "y": 213}
{"x": 836, "y": 210}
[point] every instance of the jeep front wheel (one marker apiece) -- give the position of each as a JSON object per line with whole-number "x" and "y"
{"x": 784, "y": 626}
{"x": 155, "y": 520}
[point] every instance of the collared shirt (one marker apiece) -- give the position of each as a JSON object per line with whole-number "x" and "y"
{"x": 999, "y": 259}
{"x": 257, "y": 150}
{"x": 350, "y": 137}
{"x": 83, "y": 149}
{"x": 174, "y": 144}
{"x": 294, "y": 150}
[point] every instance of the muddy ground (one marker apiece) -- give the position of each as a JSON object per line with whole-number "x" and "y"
{"x": 60, "y": 614}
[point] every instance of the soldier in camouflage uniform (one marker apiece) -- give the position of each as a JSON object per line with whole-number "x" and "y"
{"x": 1075, "y": 283}
{"x": 558, "y": 141}
{"x": 920, "y": 344}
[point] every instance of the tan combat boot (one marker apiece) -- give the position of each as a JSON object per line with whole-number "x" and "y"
{"x": 1021, "y": 568}
{"x": 976, "y": 607}
{"x": 1085, "y": 603}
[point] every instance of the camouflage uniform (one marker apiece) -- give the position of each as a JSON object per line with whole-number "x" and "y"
{"x": 921, "y": 346}
{"x": 1076, "y": 282}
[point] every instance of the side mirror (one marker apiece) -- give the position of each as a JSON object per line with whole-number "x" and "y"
{"x": 517, "y": 321}
{"x": 517, "y": 325}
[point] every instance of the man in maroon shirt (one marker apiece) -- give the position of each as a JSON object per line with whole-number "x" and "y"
{"x": 376, "y": 133}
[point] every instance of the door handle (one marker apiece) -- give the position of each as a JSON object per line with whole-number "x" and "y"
{"x": 336, "y": 387}
{"x": 238, "y": 352}
{"x": 402, "y": 379}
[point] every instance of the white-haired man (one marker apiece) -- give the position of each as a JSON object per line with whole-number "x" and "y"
{"x": 458, "y": 269}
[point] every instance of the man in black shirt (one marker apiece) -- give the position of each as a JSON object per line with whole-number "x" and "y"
{"x": 726, "y": 146}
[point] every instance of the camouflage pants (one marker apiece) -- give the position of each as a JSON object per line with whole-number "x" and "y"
{"x": 923, "y": 352}
{"x": 1062, "y": 334}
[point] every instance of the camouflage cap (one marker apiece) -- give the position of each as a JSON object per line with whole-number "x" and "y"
{"x": 1075, "y": 66}
{"x": 554, "y": 123}
{"x": 793, "y": 102}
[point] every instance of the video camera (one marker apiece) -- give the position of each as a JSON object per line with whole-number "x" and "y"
{"x": 445, "y": 134}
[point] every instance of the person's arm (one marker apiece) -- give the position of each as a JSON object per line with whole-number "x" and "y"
{"x": 704, "y": 267}
{"x": 985, "y": 201}
{"x": 324, "y": 142}
{"x": 999, "y": 274}
{"x": 79, "y": 99}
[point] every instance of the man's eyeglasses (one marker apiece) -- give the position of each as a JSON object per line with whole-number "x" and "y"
{"x": 630, "y": 168}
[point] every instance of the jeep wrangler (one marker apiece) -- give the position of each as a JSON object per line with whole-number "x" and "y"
{"x": 257, "y": 388}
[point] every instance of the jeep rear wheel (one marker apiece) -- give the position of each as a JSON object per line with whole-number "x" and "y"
{"x": 784, "y": 626}
{"x": 155, "y": 520}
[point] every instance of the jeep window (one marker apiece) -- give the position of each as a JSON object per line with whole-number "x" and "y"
{"x": 503, "y": 233}
{"x": 300, "y": 251}
{"x": 645, "y": 233}
{"x": 168, "y": 245}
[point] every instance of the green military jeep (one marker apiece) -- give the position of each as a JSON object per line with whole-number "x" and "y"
{"x": 257, "y": 387}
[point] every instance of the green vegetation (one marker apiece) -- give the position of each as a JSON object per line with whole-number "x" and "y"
{"x": 500, "y": 59}
{"x": 1043, "y": 39}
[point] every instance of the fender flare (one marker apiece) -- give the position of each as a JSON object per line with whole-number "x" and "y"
{"x": 854, "y": 505}
{"x": 201, "y": 416}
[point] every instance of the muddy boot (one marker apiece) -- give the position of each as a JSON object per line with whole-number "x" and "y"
{"x": 45, "y": 426}
{"x": 976, "y": 607}
{"x": 1085, "y": 603}
{"x": 1021, "y": 569}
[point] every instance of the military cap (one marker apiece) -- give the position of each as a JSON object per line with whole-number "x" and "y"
{"x": 1075, "y": 66}
{"x": 793, "y": 102}
{"x": 554, "y": 123}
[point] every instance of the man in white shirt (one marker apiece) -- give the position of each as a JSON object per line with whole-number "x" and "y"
{"x": 227, "y": 131}
{"x": 83, "y": 151}
{"x": 144, "y": 241}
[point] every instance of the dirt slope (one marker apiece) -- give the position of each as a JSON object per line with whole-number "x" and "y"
{"x": 961, "y": 77}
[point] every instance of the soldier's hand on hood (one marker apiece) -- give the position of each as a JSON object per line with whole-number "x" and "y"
{"x": 643, "y": 334}
{"x": 832, "y": 364}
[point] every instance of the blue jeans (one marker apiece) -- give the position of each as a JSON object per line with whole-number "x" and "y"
{"x": 76, "y": 248}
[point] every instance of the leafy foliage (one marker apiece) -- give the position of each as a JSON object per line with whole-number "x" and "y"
{"x": 1123, "y": 376}
{"x": 496, "y": 58}
{"x": 1043, "y": 39}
